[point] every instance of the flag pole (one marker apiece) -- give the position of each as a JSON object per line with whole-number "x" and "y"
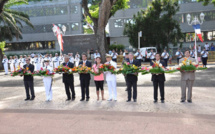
{"x": 196, "y": 56}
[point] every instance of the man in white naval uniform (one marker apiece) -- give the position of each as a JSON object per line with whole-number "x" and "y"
{"x": 21, "y": 61}
{"x": 11, "y": 62}
{"x": 139, "y": 56}
{"x": 179, "y": 55}
{"x": 56, "y": 60}
{"x": 50, "y": 60}
{"x": 71, "y": 58}
{"x": 48, "y": 80}
{"x": 37, "y": 63}
{"x": 111, "y": 79}
{"x": 5, "y": 63}
{"x": 151, "y": 56}
{"x": 165, "y": 56}
{"x": 16, "y": 62}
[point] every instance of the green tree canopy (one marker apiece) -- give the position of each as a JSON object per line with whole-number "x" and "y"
{"x": 206, "y": 2}
{"x": 157, "y": 24}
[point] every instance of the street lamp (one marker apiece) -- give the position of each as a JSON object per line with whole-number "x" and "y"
{"x": 195, "y": 21}
{"x": 139, "y": 35}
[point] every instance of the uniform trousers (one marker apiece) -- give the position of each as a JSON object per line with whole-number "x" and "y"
{"x": 184, "y": 84}
{"x": 112, "y": 89}
{"x": 204, "y": 60}
{"x": 6, "y": 68}
{"x": 11, "y": 67}
{"x": 48, "y": 87}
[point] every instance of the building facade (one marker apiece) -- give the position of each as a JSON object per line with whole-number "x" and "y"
{"x": 43, "y": 15}
{"x": 118, "y": 21}
{"x": 69, "y": 13}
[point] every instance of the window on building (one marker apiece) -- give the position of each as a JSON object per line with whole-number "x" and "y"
{"x": 74, "y": 9}
{"x": 30, "y": 46}
{"x": 74, "y": 26}
{"x": 118, "y": 23}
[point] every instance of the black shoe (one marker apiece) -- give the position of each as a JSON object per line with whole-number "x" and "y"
{"x": 27, "y": 99}
{"x": 162, "y": 101}
{"x": 182, "y": 101}
{"x": 82, "y": 99}
{"x": 190, "y": 101}
{"x": 155, "y": 101}
{"x": 32, "y": 98}
{"x": 87, "y": 99}
{"x": 135, "y": 100}
{"x": 128, "y": 100}
{"x": 73, "y": 99}
{"x": 68, "y": 99}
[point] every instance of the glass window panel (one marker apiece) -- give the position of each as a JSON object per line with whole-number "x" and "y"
{"x": 74, "y": 26}
{"x": 74, "y": 9}
{"x": 118, "y": 23}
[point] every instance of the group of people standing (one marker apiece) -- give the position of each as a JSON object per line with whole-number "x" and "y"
{"x": 37, "y": 60}
{"x": 158, "y": 80}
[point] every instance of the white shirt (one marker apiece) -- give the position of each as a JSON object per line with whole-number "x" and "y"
{"x": 50, "y": 68}
{"x": 165, "y": 55}
{"x": 36, "y": 60}
{"x": 151, "y": 55}
{"x": 71, "y": 59}
{"x": 138, "y": 55}
{"x": 96, "y": 55}
{"x": 114, "y": 55}
{"x": 192, "y": 53}
{"x": 207, "y": 47}
{"x": 56, "y": 59}
{"x": 5, "y": 61}
{"x": 77, "y": 55}
{"x": 124, "y": 54}
{"x": 205, "y": 54}
{"x": 11, "y": 61}
{"x": 179, "y": 54}
{"x": 16, "y": 62}
{"x": 109, "y": 75}
{"x": 199, "y": 49}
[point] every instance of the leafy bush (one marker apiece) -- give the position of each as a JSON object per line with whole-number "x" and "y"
{"x": 118, "y": 46}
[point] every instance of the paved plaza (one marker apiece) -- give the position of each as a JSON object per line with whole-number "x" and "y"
{"x": 38, "y": 116}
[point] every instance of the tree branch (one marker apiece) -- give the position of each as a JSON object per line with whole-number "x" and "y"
{"x": 86, "y": 10}
{"x": 2, "y": 3}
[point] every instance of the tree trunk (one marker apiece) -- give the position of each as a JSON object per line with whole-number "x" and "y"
{"x": 2, "y": 3}
{"x": 101, "y": 42}
{"x": 104, "y": 11}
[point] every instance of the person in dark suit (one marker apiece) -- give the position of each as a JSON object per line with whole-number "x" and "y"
{"x": 68, "y": 80}
{"x": 131, "y": 79}
{"x": 158, "y": 80}
{"x": 126, "y": 59}
{"x": 85, "y": 78}
{"x": 29, "y": 80}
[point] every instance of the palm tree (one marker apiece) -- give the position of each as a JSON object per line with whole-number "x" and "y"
{"x": 11, "y": 21}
